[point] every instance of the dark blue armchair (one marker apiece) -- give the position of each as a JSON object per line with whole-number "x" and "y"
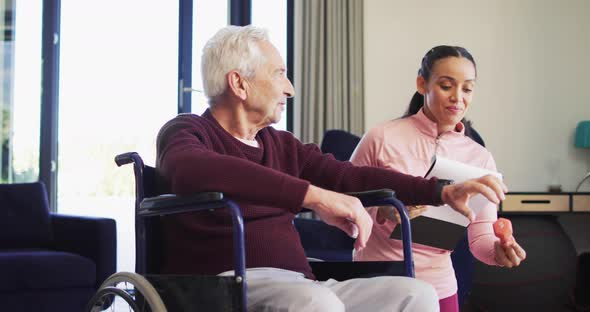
{"x": 50, "y": 262}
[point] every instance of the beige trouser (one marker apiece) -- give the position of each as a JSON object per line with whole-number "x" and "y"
{"x": 271, "y": 289}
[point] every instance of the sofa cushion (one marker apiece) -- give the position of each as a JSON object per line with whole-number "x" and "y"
{"x": 24, "y": 216}
{"x": 43, "y": 269}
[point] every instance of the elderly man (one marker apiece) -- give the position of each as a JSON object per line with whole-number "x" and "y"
{"x": 232, "y": 149}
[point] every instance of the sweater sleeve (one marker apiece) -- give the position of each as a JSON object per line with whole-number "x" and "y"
{"x": 324, "y": 171}
{"x": 188, "y": 165}
{"x": 481, "y": 233}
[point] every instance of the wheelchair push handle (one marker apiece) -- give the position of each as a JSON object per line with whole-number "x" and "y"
{"x": 125, "y": 158}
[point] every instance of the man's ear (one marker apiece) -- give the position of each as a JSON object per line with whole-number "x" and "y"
{"x": 421, "y": 85}
{"x": 237, "y": 84}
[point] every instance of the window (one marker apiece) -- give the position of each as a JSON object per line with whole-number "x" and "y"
{"x": 20, "y": 89}
{"x": 118, "y": 86}
{"x": 264, "y": 14}
{"x": 208, "y": 17}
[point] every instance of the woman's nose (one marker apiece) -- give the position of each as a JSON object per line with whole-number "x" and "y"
{"x": 455, "y": 96}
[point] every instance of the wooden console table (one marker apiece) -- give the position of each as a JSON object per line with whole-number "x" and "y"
{"x": 545, "y": 202}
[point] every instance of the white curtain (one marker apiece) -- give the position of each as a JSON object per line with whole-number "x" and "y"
{"x": 328, "y": 68}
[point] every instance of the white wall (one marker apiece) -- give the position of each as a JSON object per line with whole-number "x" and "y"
{"x": 533, "y": 59}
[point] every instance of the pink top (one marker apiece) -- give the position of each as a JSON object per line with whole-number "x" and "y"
{"x": 407, "y": 145}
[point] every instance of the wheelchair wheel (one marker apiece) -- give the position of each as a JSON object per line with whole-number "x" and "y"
{"x": 126, "y": 291}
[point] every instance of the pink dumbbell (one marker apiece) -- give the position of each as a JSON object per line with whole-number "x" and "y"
{"x": 503, "y": 230}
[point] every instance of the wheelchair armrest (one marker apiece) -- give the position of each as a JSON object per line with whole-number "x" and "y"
{"x": 170, "y": 203}
{"x": 373, "y": 197}
{"x": 367, "y": 198}
{"x": 91, "y": 237}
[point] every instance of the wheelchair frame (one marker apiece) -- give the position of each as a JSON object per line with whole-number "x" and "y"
{"x": 165, "y": 204}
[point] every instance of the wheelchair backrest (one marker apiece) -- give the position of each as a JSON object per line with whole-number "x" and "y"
{"x": 339, "y": 143}
{"x": 152, "y": 238}
{"x": 148, "y": 239}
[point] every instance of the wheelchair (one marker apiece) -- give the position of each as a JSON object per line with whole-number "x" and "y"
{"x": 147, "y": 290}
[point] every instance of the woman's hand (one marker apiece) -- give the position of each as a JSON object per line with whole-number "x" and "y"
{"x": 390, "y": 213}
{"x": 508, "y": 251}
{"x": 509, "y": 254}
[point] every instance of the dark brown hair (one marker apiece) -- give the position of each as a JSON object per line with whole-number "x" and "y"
{"x": 428, "y": 62}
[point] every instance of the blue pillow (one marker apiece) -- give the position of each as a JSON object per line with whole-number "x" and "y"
{"x": 24, "y": 216}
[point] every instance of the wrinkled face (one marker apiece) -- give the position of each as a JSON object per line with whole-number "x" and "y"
{"x": 448, "y": 92}
{"x": 269, "y": 89}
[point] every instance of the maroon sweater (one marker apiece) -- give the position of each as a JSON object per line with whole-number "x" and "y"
{"x": 195, "y": 154}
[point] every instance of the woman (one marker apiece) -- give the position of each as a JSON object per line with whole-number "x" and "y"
{"x": 433, "y": 125}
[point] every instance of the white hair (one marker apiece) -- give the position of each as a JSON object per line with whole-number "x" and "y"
{"x": 231, "y": 48}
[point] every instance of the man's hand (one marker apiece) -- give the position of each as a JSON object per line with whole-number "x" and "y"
{"x": 457, "y": 195}
{"x": 390, "y": 213}
{"x": 342, "y": 211}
